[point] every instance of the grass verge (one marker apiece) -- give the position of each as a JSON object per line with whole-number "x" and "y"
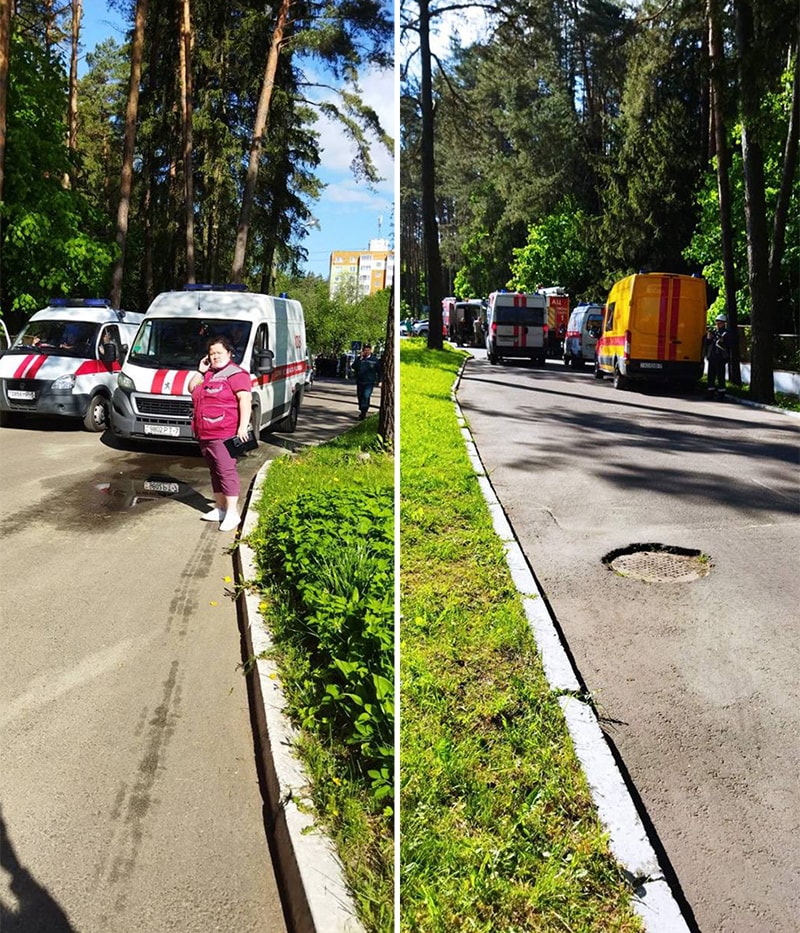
{"x": 498, "y": 830}
{"x": 782, "y": 399}
{"x": 324, "y": 546}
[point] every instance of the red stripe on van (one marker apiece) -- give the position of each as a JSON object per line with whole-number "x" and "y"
{"x": 673, "y": 323}
{"x": 158, "y": 381}
{"x": 662, "y": 319}
{"x": 92, "y": 367}
{"x": 23, "y": 366}
{"x": 281, "y": 372}
{"x": 30, "y": 366}
{"x": 179, "y": 382}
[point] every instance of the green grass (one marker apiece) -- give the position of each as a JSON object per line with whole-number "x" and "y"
{"x": 344, "y": 802}
{"x": 498, "y": 831}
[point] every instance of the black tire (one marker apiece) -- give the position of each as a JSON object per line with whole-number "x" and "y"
{"x": 98, "y": 414}
{"x": 288, "y": 424}
{"x": 620, "y": 381}
{"x": 569, "y": 361}
{"x": 598, "y": 373}
{"x": 492, "y": 357}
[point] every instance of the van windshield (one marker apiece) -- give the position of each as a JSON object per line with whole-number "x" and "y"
{"x": 180, "y": 343}
{"x": 58, "y": 338}
{"x": 531, "y": 317}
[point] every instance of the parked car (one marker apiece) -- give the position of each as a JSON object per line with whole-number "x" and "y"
{"x": 421, "y": 329}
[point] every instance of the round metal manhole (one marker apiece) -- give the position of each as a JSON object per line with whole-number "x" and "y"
{"x": 659, "y": 563}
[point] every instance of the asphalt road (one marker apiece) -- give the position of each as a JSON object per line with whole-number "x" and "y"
{"x": 129, "y": 793}
{"x": 696, "y": 681}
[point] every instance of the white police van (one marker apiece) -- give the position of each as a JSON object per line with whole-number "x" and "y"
{"x": 66, "y": 359}
{"x": 152, "y": 401}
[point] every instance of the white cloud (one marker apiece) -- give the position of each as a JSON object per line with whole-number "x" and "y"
{"x": 338, "y": 151}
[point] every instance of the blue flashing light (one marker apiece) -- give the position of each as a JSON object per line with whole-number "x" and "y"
{"x": 206, "y": 287}
{"x": 283, "y": 295}
{"x": 80, "y": 302}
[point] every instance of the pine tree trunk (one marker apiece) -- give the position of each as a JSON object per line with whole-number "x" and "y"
{"x": 716, "y": 55}
{"x": 259, "y": 129}
{"x": 762, "y": 387}
{"x": 186, "y": 46}
{"x": 72, "y": 115}
{"x": 430, "y": 226}
{"x": 126, "y": 176}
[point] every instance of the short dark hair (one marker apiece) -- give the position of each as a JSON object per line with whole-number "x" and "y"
{"x": 222, "y": 341}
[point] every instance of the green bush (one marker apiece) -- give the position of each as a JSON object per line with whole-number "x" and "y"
{"x": 330, "y": 554}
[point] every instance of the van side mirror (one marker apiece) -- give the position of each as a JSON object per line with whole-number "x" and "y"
{"x": 265, "y": 362}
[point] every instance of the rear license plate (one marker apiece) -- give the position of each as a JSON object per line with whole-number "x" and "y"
{"x": 650, "y": 365}
{"x": 20, "y": 396}
{"x": 152, "y": 485}
{"x": 163, "y": 430}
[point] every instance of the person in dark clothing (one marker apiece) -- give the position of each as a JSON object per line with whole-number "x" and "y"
{"x": 367, "y": 369}
{"x": 717, "y": 350}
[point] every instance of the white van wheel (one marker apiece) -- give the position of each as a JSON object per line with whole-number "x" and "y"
{"x": 96, "y": 417}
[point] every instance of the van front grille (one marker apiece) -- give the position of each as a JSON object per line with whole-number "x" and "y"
{"x": 164, "y": 407}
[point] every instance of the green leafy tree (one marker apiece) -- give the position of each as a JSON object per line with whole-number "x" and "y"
{"x": 560, "y": 251}
{"x": 52, "y": 238}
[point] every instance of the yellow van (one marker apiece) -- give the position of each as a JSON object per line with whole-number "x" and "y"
{"x": 653, "y": 328}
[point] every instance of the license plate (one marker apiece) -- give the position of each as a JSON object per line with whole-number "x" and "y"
{"x": 650, "y": 365}
{"x": 20, "y": 396}
{"x": 152, "y": 485}
{"x": 163, "y": 430}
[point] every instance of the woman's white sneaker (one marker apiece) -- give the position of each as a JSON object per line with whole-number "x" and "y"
{"x": 215, "y": 515}
{"x": 230, "y": 522}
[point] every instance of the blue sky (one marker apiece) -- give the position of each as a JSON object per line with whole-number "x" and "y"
{"x": 348, "y": 213}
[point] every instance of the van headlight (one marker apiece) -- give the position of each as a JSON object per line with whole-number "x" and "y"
{"x": 64, "y": 383}
{"x": 125, "y": 383}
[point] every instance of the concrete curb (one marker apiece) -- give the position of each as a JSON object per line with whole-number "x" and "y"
{"x": 654, "y": 902}
{"x": 316, "y": 898}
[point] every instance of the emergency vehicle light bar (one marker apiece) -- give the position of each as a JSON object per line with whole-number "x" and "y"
{"x": 80, "y": 302}
{"x": 202, "y": 287}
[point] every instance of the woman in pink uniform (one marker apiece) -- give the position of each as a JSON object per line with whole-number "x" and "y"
{"x": 222, "y": 402}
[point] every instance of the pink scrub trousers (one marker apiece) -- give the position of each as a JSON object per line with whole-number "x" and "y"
{"x": 222, "y": 466}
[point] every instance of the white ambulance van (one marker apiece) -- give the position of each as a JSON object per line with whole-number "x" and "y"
{"x": 66, "y": 359}
{"x": 583, "y": 329}
{"x": 151, "y": 401}
{"x": 516, "y": 326}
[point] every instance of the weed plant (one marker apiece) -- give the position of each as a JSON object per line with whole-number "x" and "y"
{"x": 324, "y": 545}
{"x": 498, "y": 830}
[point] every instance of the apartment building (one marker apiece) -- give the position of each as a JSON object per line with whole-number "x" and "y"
{"x": 363, "y": 271}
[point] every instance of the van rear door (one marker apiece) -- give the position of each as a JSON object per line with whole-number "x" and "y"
{"x": 519, "y": 326}
{"x": 664, "y": 318}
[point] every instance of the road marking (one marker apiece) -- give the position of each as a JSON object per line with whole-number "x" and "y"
{"x": 45, "y": 689}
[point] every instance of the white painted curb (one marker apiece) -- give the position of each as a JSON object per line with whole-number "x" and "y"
{"x": 654, "y": 902}
{"x": 317, "y": 899}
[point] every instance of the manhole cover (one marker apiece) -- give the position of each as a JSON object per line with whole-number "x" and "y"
{"x": 658, "y": 563}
